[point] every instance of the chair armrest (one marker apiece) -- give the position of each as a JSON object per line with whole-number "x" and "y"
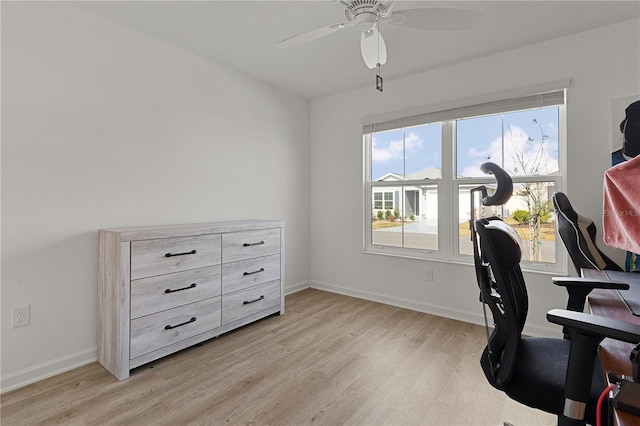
{"x": 595, "y": 325}
{"x": 578, "y": 289}
{"x": 589, "y": 283}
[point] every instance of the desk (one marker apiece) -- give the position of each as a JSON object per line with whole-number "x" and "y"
{"x": 614, "y": 354}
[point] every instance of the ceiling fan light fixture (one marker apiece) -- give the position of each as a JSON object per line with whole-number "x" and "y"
{"x": 365, "y": 21}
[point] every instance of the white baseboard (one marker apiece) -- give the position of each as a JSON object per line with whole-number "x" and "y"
{"x": 441, "y": 311}
{"x": 290, "y": 289}
{"x": 47, "y": 369}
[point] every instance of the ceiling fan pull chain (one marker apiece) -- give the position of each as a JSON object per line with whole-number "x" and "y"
{"x": 379, "y": 83}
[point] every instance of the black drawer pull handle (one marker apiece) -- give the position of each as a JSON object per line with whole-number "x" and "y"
{"x": 253, "y": 244}
{"x": 180, "y": 254}
{"x": 169, "y": 327}
{"x": 246, "y": 302}
{"x": 180, "y": 289}
{"x": 254, "y": 272}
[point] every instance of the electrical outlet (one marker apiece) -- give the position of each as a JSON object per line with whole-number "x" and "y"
{"x": 428, "y": 274}
{"x": 21, "y": 316}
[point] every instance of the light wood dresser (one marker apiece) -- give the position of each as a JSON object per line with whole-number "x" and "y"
{"x": 164, "y": 288}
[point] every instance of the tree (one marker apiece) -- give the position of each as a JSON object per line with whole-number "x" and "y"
{"x": 534, "y": 162}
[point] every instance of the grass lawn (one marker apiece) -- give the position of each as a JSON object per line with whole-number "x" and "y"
{"x": 547, "y": 230}
{"x": 382, "y": 224}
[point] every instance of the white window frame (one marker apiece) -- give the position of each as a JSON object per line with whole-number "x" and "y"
{"x": 447, "y": 246}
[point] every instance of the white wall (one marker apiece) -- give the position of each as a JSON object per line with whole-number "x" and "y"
{"x": 601, "y": 64}
{"x": 105, "y": 127}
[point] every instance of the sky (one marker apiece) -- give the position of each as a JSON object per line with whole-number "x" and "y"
{"x": 497, "y": 138}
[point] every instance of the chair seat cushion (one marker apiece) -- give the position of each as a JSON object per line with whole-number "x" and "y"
{"x": 539, "y": 376}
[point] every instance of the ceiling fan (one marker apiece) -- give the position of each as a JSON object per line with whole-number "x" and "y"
{"x": 366, "y": 16}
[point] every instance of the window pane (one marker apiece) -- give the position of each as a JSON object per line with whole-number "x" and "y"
{"x": 413, "y": 220}
{"x": 387, "y": 155}
{"x": 377, "y": 200}
{"x": 413, "y": 153}
{"x": 423, "y": 152}
{"x": 464, "y": 215}
{"x": 478, "y": 140}
{"x": 524, "y": 143}
{"x": 388, "y": 200}
{"x": 529, "y": 212}
{"x": 421, "y": 224}
{"x": 531, "y": 142}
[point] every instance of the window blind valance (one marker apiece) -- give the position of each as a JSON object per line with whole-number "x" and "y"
{"x": 556, "y": 97}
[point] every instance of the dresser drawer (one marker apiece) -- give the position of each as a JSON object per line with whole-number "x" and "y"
{"x": 166, "y": 255}
{"x": 162, "y": 292}
{"x": 247, "y": 273}
{"x": 247, "y": 302}
{"x": 164, "y": 328}
{"x": 247, "y": 244}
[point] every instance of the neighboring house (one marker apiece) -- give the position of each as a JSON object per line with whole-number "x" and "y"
{"x": 421, "y": 201}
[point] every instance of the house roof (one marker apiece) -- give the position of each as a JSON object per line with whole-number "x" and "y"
{"x": 390, "y": 177}
{"x": 429, "y": 173}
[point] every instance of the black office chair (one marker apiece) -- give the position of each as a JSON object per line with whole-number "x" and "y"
{"x": 578, "y": 233}
{"x": 559, "y": 376}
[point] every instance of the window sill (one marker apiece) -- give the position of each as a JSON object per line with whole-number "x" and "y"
{"x": 527, "y": 267}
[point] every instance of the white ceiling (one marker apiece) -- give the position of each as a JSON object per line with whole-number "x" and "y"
{"x": 241, "y": 35}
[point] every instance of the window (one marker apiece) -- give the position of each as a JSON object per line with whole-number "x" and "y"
{"x": 401, "y": 162}
{"x": 383, "y": 200}
{"x": 419, "y": 171}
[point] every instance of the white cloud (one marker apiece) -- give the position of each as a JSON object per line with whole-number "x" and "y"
{"x": 395, "y": 149}
{"x": 519, "y": 150}
{"x": 473, "y": 152}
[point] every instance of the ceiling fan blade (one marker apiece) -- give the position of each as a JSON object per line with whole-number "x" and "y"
{"x": 373, "y": 48}
{"x": 436, "y": 19}
{"x": 309, "y": 36}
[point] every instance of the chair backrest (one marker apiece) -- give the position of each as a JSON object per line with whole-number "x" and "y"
{"x": 578, "y": 233}
{"x": 503, "y": 291}
{"x": 497, "y": 252}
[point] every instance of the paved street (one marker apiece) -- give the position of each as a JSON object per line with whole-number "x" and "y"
{"x": 422, "y": 234}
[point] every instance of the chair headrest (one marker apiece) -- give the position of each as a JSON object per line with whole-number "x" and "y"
{"x": 562, "y": 205}
{"x": 506, "y": 241}
{"x": 504, "y": 187}
{"x": 574, "y": 231}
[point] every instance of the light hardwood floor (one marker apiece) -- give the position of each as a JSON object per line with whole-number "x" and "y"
{"x": 330, "y": 360}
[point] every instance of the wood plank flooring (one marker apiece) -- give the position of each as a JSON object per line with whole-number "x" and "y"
{"x": 330, "y": 360}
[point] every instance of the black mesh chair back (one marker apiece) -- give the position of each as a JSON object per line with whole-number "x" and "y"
{"x": 578, "y": 233}
{"x": 503, "y": 291}
{"x": 497, "y": 253}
